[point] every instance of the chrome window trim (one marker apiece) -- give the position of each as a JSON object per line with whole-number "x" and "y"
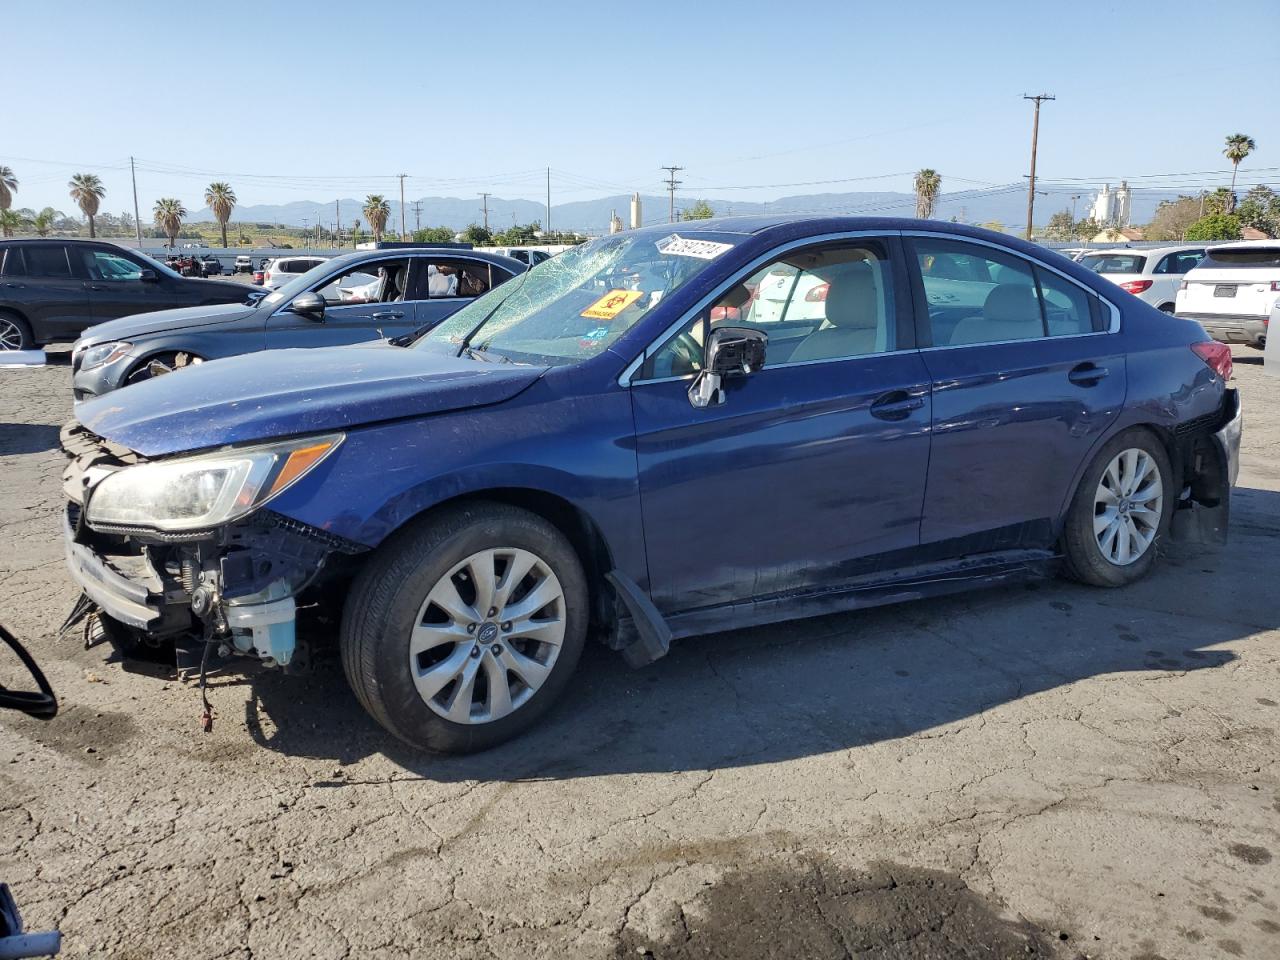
{"x": 959, "y": 238}
{"x": 624, "y": 378}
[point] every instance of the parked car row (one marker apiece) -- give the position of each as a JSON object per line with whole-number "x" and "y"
{"x": 661, "y": 433}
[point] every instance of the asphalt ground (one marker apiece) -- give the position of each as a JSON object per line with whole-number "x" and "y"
{"x": 1042, "y": 770}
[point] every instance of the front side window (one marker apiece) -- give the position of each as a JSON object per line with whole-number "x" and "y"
{"x": 826, "y": 303}
{"x": 101, "y": 265}
{"x": 977, "y": 294}
{"x": 577, "y": 304}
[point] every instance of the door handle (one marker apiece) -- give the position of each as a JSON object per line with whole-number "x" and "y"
{"x": 1086, "y": 374}
{"x": 94, "y": 286}
{"x": 14, "y": 286}
{"x": 895, "y": 405}
{"x": 387, "y": 315}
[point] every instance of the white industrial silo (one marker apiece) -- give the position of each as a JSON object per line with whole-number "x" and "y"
{"x": 636, "y": 219}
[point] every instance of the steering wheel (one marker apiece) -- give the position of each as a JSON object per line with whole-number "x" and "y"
{"x": 42, "y": 703}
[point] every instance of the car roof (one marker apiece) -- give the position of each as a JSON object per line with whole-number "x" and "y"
{"x": 1247, "y": 245}
{"x": 361, "y": 256}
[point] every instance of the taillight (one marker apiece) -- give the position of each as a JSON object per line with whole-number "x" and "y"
{"x": 267, "y": 275}
{"x": 818, "y": 294}
{"x": 1216, "y": 355}
{"x": 1136, "y": 286}
{"x": 1275, "y": 286}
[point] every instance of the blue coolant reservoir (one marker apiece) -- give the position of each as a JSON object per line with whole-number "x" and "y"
{"x": 266, "y": 629}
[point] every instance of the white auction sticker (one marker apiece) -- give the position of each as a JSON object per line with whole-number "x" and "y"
{"x": 678, "y": 246}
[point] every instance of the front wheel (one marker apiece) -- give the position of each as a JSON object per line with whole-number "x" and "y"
{"x": 1120, "y": 510}
{"x": 14, "y": 333}
{"x": 465, "y": 627}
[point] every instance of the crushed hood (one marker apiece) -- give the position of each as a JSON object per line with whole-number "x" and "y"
{"x": 160, "y": 321}
{"x": 280, "y": 393}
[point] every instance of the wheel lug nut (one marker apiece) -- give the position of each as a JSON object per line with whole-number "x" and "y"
{"x": 497, "y": 649}
{"x": 471, "y": 628}
{"x": 493, "y": 611}
{"x": 475, "y": 651}
{"x": 506, "y": 627}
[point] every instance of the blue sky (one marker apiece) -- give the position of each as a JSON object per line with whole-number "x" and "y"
{"x": 762, "y": 99}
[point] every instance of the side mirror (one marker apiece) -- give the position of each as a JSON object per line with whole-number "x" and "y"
{"x": 147, "y": 275}
{"x": 309, "y": 305}
{"x": 732, "y": 352}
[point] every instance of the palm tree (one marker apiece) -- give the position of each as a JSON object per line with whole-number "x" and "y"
{"x": 1238, "y": 147}
{"x": 221, "y": 200}
{"x": 11, "y": 221}
{"x": 928, "y": 185}
{"x": 42, "y": 223}
{"x": 169, "y": 214}
{"x": 87, "y": 191}
{"x": 8, "y": 186}
{"x": 376, "y": 211}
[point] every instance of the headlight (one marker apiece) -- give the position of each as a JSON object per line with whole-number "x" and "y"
{"x": 102, "y": 353}
{"x": 194, "y": 493}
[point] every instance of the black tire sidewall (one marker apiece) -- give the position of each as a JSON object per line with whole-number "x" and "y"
{"x": 24, "y": 329}
{"x": 382, "y": 624}
{"x": 1084, "y": 557}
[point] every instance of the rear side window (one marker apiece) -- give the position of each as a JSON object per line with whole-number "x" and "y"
{"x": 1067, "y": 308}
{"x": 47, "y": 261}
{"x": 456, "y": 279}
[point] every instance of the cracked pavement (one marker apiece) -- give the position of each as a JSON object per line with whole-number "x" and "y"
{"x": 1042, "y": 770}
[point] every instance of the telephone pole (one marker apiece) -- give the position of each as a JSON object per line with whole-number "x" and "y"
{"x": 1035, "y": 134}
{"x": 337, "y": 224}
{"x": 672, "y": 183}
{"x": 403, "y": 237}
{"x": 484, "y": 197}
{"x": 417, "y": 215}
{"x": 137, "y": 220}
{"x": 547, "y": 228}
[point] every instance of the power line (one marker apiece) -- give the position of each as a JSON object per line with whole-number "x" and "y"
{"x": 672, "y": 183}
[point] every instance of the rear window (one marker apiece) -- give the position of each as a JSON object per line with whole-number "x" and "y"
{"x": 1241, "y": 259}
{"x": 1114, "y": 263}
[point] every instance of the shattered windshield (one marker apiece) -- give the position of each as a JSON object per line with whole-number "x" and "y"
{"x": 575, "y": 305}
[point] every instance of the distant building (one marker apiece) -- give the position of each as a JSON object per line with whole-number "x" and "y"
{"x": 615, "y": 222}
{"x": 1113, "y": 208}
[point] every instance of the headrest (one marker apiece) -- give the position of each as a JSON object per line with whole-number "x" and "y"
{"x": 851, "y": 296}
{"x": 1011, "y": 303}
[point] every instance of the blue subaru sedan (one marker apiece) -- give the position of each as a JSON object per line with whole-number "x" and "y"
{"x": 665, "y": 432}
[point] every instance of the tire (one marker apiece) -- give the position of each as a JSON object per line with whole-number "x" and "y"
{"x": 15, "y": 333}
{"x": 1095, "y": 548}
{"x": 1166, "y": 308}
{"x": 391, "y": 603}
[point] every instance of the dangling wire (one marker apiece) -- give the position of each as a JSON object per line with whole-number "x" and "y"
{"x": 44, "y": 704}
{"x": 206, "y": 716}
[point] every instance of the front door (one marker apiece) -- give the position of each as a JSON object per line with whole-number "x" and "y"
{"x": 116, "y": 288}
{"x": 1025, "y": 379}
{"x": 363, "y": 304}
{"x": 814, "y": 465}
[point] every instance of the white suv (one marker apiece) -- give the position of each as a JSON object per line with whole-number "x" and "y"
{"x": 283, "y": 269}
{"x": 1150, "y": 275}
{"x": 1233, "y": 290}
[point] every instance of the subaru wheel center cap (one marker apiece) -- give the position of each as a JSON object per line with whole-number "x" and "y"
{"x": 488, "y": 632}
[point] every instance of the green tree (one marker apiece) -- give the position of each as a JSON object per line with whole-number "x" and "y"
{"x": 477, "y": 235}
{"x": 433, "y": 235}
{"x": 699, "y": 211}
{"x": 1086, "y": 229}
{"x": 518, "y": 235}
{"x": 1260, "y": 209}
{"x": 43, "y": 221}
{"x": 87, "y": 191}
{"x": 1060, "y": 227}
{"x": 1238, "y": 147}
{"x": 221, "y": 200}
{"x": 1221, "y": 200}
{"x": 928, "y": 185}
{"x": 11, "y": 222}
{"x": 1215, "y": 226}
{"x": 8, "y": 186}
{"x": 376, "y": 211}
{"x": 168, "y": 215}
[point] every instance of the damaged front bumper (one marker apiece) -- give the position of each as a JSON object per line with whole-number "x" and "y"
{"x": 234, "y": 585}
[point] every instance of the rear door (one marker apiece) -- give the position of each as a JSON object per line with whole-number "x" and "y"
{"x": 1025, "y": 379}
{"x": 42, "y": 281}
{"x": 813, "y": 465}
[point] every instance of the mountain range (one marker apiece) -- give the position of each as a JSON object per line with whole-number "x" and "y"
{"x": 1001, "y": 204}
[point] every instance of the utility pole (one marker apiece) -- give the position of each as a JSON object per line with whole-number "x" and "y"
{"x": 1074, "y": 198}
{"x": 484, "y": 197}
{"x": 417, "y": 215}
{"x": 547, "y": 228}
{"x": 337, "y": 223}
{"x": 137, "y": 220}
{"x": 1035, "y": 135}
{"x": 672, "y": 183}
{"x": 403, "y": 237}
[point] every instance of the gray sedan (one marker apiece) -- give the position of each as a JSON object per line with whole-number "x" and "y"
{"x": 354, "y": 298}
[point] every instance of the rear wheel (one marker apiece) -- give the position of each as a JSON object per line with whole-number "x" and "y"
{"x": 14, "y": 333}
{"x": 1120, "y": 510}
{"x": 464, "y": 628}
{"x": 1166, "y": 308}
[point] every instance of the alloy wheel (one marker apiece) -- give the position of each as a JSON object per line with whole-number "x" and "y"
{"x": 10, "y": 335}
{"x": 487, "y": 635}
{"x": 1127, "y": 506}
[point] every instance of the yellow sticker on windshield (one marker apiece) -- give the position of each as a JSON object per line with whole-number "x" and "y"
{"x": 612, "y": 304}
